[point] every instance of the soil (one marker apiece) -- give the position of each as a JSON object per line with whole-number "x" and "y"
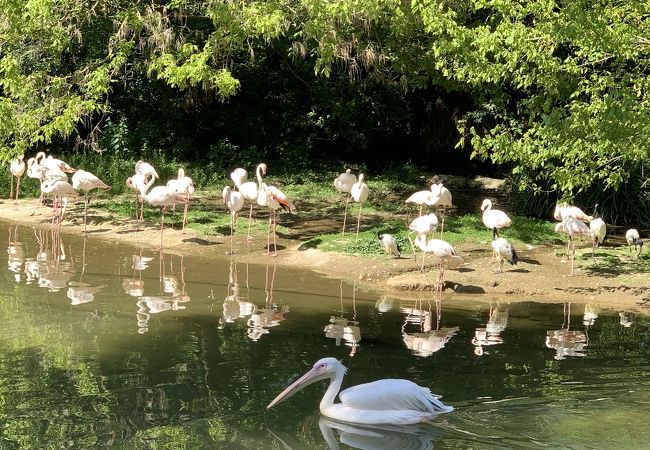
{"x": 541, "y": 274}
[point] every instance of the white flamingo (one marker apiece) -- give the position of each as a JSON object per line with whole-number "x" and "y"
{"x": 162, "y": 196}
{"x": 249, "y": 190}
{"x": 441, "y": 249}
{"x": 422, "y": 225}
{"x": 343, "y": 183}
{"x": 442, "y": 200}
{"x": 146, "y": 169}
{"x": 52, "y": 163}
{"x": 598, "y": 229}
{"x": 572, "y": 228}
{"x": 389, "y": 401}
{"x": 183, "y": 185}
{"x": 17, "y": 169}
{"x": 234, "y": 201}
{"x": 139, "y": 184}
{"x": 238, "y": 176}
{"x": 494, "y": 219}
{"x": 359, "y": 192}
{"x": 60, "y": 190}
{"x": 86, "y": 181}
{"x": 272, "y": 198}
{"x": 422, "y": 199}
{"x": 566, "y": 211}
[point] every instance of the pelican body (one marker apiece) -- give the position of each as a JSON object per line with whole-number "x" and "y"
{"x": 389, "y": 401}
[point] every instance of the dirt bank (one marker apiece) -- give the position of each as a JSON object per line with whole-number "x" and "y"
{"x": 541, "y": 275}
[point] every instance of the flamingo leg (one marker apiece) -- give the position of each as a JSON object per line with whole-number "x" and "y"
{"x": 268, "y": 235}
{"x": 345, "y": 214}
{"x": 442, "y": 224}
{"x": 162, "y": 222}
{"x": 441, "y": 278}
{"x": 250, "y": 219}
{"x": 412, "y": 247}
{"x": 187, "y": 206}
{"x": 232, "y": 218}
{"x": 573, "y": 255}
{"x": 275, "y": 226}
{"x": 423, "y": 255}
{"x": 11, "y": 191}
{"x": 17, "y": 188}
{"x": 421, "y": 206}
{"x": 358, "y": 221}
{"x": 85, "y": 212}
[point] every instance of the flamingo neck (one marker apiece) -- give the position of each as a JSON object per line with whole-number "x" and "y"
{"x": 258, "y": 173}
{"x": 148, "y": 185}
{"x": 332, "y": 390}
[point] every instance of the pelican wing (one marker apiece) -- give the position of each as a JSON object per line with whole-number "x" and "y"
{"x": 391, "y": 394}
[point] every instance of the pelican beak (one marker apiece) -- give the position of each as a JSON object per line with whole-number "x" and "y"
{"x": 315, "y": 374}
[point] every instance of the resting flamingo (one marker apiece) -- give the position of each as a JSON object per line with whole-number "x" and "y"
{"x": 272, "y": 198}
{"x": 238, "y": 176}
{"x": 61, "y": 190}
{"x": 359, "y": 193}
{"x": 566, "y": 211}
{"x": 249, "y": 190}
{"x": 421, "y": 198}
{"x": 388, "y": 401}
{"x": 17, "y": 169}
{"x": 162, "y": 196}
{"x": 52, "y": 163}
{"x": 86, "y": 181}
{"x": 139, "y": 184}
{"x": 343, "y": 183}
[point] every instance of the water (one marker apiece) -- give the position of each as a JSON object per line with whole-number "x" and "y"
{"x": 104, "y": 345}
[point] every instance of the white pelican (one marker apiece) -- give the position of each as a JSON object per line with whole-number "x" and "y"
{"x": 632, "y": 237}
{"x": 494, "y": 219}
{"x": 343, "y": 183}
{"x": 359, "y": 193}
{"x": 389, "y": 244}
{"x": 389, "y": 401}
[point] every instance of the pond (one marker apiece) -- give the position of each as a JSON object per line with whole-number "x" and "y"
{"x": 105, "y": 345}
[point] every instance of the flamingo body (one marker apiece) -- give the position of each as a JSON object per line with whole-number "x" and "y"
{"x": 359, "y": 190}
{"x": 345, "y": 181}
{"x": 389, "y": 401}
{"x": 442, "y": 196}
{"x": 424, "y": 224}
{"x": 494, "y": 219}
{"x": 86, "y": 181}
{"x": 145, "y": 169}
{"x": 238, "y": 176}
{"x": 565, "y": 211}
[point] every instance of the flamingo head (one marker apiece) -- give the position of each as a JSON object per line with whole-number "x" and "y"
{"x": 262, "y": 167}
{"x": 487, "y": 204}
{"x": 225, "y": 193}
{"x": 323, "y": 368}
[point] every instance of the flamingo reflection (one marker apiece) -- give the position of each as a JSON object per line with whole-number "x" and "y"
{"x": 80, "y": 292}
{"x": 426, "y": 340}
{"x": 384, "y": 304}
{"x": 15, "y": 254}
{"x": 235, "y": 305}
{"x": 268, "y": 316}
{"x": 491, "y": 334}
{"x": 565, "y": 341}
{"x": 590, "y": 315}
{"x": 627, "y": 318}
{"x": 341, "y": 328}
{"x": 49, "y": 268}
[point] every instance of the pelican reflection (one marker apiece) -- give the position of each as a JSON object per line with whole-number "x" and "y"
{"x": 343, "y": 329}
{"x": 270, "y": 315}
{"x": 565, "y": 341}
{"x": 418, "y": 332}
{"x": 491, "y": 334}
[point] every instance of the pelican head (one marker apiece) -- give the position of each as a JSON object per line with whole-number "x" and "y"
{"x": 323, "y": 369}
{"x": 487, "y": 204}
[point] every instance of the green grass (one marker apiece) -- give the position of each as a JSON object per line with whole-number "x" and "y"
{"x": 616, "y": 262}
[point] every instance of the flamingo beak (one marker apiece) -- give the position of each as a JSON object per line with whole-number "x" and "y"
{"x": 315, "y": 374}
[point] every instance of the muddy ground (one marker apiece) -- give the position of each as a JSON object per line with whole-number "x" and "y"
{"x": 541, "y": 275}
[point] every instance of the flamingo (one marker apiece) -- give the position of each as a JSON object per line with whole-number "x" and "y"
{"x": 17, "y": 169}
{"x": 389, "y": 243}
{"x": 61, "y": 189}
{"x": 163, "y": 197}
{"x": 572, "y": 227}
{"x": 343, "y": 183}
{"x": 388, "y": 401}
{"x": 52, "y": 163}
{"x": 139, "y": 184}
{"x": 563, "y": 211}
{"x": 182, "y": 185}
{"x": 272, "y": 198}
{"x": 442, "y": 199}
{"x": 422, "y": 225}
{"x": 598, "y": 229}
{"x": 421, "y": 198}
{"x": 249, "y": 190}
{"x": 37, "y": 172}
{"x": 145, "y": 169}
{"x": 234, "y": 201}
{"x": 86, "y": 181}
{"x": 494, "y": 219}
{"x": 505, "y": 251}
{"x": 359, "y": 192}
{"x": 632, "y": 237}
{"x": 441, "y": 249}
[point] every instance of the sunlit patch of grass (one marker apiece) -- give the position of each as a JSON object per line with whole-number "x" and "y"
{"x": 615, "y": 262}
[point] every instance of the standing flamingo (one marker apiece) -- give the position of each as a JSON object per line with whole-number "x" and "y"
{"x": 359, "y": 193}
{"x": 17, "y": 169}
{"x": 162, "y": 196}
{"x": 139, "y": 184}
{"x": 86, "y": 181}
{"x": 52, "y": 163}
{"x": 442, "y": 200}
{"x": 572, "y": 228}
{"x": 421, "y": 198}
{"x": 238, "y": 176}
{"x": 598, "y": 229}
{"x": 441, "y": 249}
{"x": 182, "y": 185}
{"x": 566, "y": 211}
{"x": 145, "y": 169}
{"x": 389, "y": 401}
{"x": 234, "y": 201}
{"x": 494, "y": 219}
{"x": 249, "y": 190}
{"x": 273, "y": 199}
{"x": 61, "y": 190}
{"x": 422, "y": 225}
{"x": 343, "y": 183}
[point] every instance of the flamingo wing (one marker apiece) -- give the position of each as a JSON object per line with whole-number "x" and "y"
{"x": 279, "y": 196}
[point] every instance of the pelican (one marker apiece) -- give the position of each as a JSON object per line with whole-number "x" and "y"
{"x": 389, "y": 401}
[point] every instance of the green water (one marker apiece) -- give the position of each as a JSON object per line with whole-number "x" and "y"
{"x": 108, "y": 346}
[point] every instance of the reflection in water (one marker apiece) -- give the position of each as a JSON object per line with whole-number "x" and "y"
{"x": 172, "y": 291}
{"x": 49, "y": 268}
{"x": 235, "y": 305}
{"x": 376, "y": 437}
{"x": 564, "y": 341}
{"x": 491, "y": 334}
{"x": 270, "y": 315}
{"x": 590, "y": 315}
{"x": 16, "y": 254}
{"x": 384, "y": 304}
{"x": 135, "y": 286}
{"x": 80, "y": 292}
{"x": 341, "y": 328}
{"x": 425, "y": 341}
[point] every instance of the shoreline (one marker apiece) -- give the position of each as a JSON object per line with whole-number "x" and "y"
{"x": 541, "y": 276}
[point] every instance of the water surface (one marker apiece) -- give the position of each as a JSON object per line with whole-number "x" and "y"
{"x": 104, "y": 345}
